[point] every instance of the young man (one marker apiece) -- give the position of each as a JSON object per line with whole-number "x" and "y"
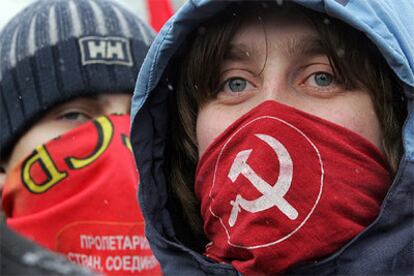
{"x": 69, "y": 180}
{"x": 287, "y": 147}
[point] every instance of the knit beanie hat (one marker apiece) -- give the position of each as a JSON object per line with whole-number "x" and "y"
{"x": 55, "y": 50}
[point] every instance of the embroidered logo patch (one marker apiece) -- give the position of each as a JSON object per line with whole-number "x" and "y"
{"x": 105, "y": 50}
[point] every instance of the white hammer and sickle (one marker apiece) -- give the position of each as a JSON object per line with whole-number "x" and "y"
{"x": 272, "y": 195}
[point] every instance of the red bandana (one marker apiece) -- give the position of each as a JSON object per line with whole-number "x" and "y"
{"x": 280, "y": 187}
{"x": 77, "y": 195}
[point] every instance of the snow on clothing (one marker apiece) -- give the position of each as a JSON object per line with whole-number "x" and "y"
{"x": 383, "y": 247}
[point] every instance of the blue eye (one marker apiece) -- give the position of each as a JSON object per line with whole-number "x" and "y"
{"x": 323, "y": 79}
{"x": 237, "y": 84}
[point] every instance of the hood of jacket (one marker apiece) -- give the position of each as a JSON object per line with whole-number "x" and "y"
{"x": 385, "y": 246}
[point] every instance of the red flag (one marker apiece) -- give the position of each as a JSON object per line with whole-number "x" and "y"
{"x": 159, "y": 12}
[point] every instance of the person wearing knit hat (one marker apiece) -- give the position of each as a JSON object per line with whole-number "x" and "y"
{"x": 67, "y": 72}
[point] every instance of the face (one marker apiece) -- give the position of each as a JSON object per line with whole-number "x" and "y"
{"x": 295, "y": 71}
{"x": 64, "y": 118}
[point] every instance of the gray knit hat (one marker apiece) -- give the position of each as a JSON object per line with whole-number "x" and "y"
{"x": 55, "y": 50}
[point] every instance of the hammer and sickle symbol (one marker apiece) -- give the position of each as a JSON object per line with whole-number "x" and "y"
{"x": 272, "y": 195}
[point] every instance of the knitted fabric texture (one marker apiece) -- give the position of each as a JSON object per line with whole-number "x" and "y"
{"x": 56, "y": 50}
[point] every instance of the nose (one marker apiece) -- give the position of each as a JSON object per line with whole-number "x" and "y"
{"x": 276, "y": 88}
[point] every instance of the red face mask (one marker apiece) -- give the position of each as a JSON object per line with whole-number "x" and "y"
{"x": 77, "y": 195}
{"x": 280, "y": 187}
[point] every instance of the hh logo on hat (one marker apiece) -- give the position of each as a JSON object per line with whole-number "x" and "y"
{"x": 105, "y": 50}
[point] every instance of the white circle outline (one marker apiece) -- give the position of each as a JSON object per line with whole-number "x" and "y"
{"x": 313, "y": 207}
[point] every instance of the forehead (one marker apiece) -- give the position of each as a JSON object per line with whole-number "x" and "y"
{"x": 290, "y": 32}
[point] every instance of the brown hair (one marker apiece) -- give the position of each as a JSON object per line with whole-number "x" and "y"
{"x": 197, "y": 80}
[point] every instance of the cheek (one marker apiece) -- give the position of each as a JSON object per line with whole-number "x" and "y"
{"x": 366, "y": 123}
{"x": 356, "y": 114}
{"x": 21, "y": 150}
{"x": 37, "y": 135}
{"x": 215, "y": 117}
{"x": 206, "y": 131}
{"x": 211, "y": 122}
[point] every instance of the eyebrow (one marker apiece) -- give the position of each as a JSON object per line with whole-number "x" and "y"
{"x": 240, "y": 52}
{"x": 303, "y": 46}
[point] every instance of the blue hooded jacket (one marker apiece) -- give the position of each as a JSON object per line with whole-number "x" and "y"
{"x": 384, "y": 247}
